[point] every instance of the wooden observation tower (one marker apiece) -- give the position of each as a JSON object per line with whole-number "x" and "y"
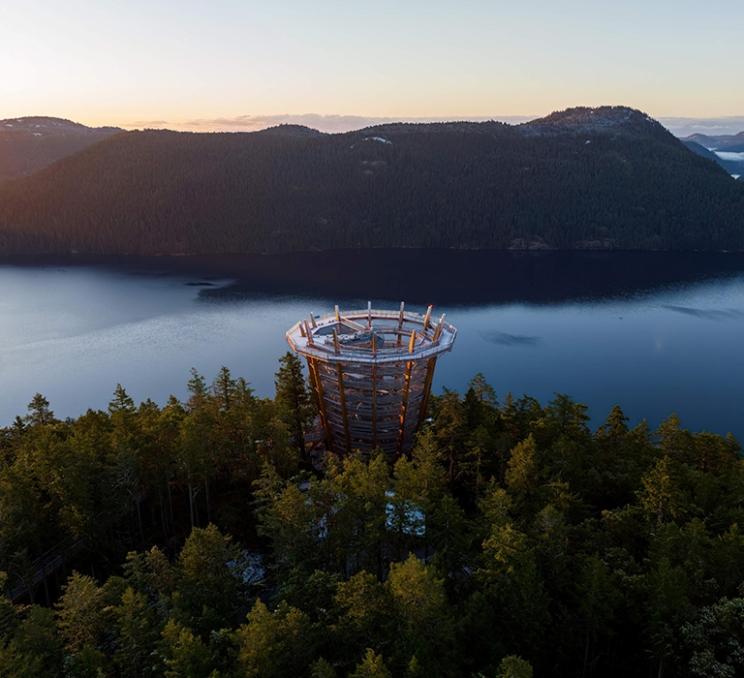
{"x": 371, "y": 372}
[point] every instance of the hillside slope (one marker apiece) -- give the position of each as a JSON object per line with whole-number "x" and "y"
{"x": 30, "y": 144}
{"x": 733, "y": 143}
{"x": 582, "y": 178}
{"x": 727, "y": 150}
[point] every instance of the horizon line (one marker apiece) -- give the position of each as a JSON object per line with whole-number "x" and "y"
{"x": 347, "y": 122}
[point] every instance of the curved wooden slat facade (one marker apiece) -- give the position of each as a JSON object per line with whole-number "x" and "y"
{"x": 371, "y": 372}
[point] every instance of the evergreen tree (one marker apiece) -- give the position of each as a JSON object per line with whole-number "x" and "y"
{"x": 371, "y": 666}
{"x": 81, "y": 614}
{"x": 183, "y": 652}
{"x": 275, "y": 644}
{"x": 33, "y": 650}
{"x": 209, "y": 593}
{"x": 425, "y": 625}
{"x": 715, "y": 639}
{"x": 293, "y": 400}
{"x": 660, "y": 497}
{"x": 366, "y": 615}
{"x": 514, "y": 667}
{"x": 39, "y": 412}
{"x": 137, "y": 630}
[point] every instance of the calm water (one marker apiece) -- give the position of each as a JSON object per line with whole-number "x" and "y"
{"x": 655, "y": 333}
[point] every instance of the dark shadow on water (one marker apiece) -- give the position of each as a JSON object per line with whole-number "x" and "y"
{"x": 706, "y": 314}
{"x": 506, "y": 339}
{"x": 454, "y": 277}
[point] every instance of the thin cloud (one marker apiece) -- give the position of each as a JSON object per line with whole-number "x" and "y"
{"x": 336, "y": 123}
{"x": 684, "y": 127}
{"x": 333, "y": 123}
{"x": 141, "y": 124}
{"x": 730, "y": 156}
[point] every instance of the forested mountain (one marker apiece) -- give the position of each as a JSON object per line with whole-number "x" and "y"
{"x": 721, "y": 142}
{"x": 702, "y": 151}
{"x": 582, "y": 178}
{"x": 514, "y": 538}
{"x": 727, "y": 150}
{"x": 32, "y": 143}
{"x": 733, "y": 163}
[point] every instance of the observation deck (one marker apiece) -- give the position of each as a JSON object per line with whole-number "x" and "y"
{"x": 371, "y": 372}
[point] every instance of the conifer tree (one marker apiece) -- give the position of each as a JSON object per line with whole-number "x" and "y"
{"x": 292, "y": 399}
{"x": 371, "y": 666}
{"x": 39, "y": 412}
{"x": 183, "y": 652}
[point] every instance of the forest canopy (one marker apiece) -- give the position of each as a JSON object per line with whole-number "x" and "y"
{"x": 604, "y": 178}
{"x": 197, "y": 539}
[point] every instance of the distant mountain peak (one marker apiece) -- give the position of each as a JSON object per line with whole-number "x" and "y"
{"x": 600, "y": 120}
{"x": 33, "y": 142}
{"x": 291, "y": 130}
{"x": 33, "y": 121}
{"x": 41, "y": 123}
{"x": 731, "y": 143}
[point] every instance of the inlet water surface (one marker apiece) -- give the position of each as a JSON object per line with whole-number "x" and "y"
{"x": 655, "y": 333}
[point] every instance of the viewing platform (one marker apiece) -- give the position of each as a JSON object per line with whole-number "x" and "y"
{"x": 371, "y": 372}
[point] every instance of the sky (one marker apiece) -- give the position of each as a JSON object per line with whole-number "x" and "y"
{"x": 226, "y": 64}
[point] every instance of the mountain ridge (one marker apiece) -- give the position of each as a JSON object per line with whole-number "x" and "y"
{"x": 582, "y": 178}
{"x": 720, "y": 142}
{"x": 35, "y": 122}
{"x": 31, "y": 143}
{"x": 726, "y": 149}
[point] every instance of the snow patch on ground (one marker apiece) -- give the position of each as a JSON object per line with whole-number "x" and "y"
{"x": 249, "y": 568}
{"x": 405, "y": 516}
{"x": 380, "y": 140}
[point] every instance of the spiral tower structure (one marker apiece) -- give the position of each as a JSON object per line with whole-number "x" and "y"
{"x": 371, "y": 372}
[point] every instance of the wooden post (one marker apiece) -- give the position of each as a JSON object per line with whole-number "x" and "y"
{"x": 438, "y": 330}
{"x": 344, "y": 413}
{"x": 412, "y": 342}
{"x": 406, "y": 394}
{"x": 336, "y": 346}
{"x": 338, "y": 313}
{"x": 430, "y": 365}
{"x": 400, "y": 322}
{"x": 312, "y": 321}
{"x": 374, "y": 392}
{"x": 318, "y": 389}
{"x": 427, "y": 317}
{"x": 369, "y": 314}
{"x": 404, "y": 405}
